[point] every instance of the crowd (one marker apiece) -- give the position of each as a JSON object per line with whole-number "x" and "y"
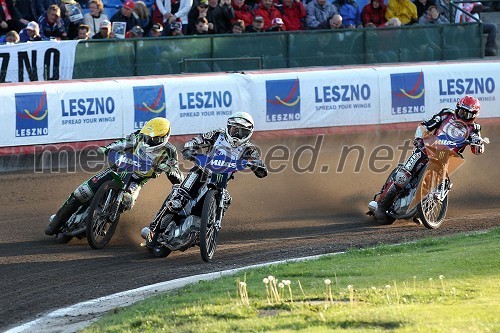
{"x": 33, "y": 20}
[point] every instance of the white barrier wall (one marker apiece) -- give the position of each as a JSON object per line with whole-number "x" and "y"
{"x": 95, "y": 110}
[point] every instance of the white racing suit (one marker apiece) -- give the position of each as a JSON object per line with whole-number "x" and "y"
{"x": 445, "y": 124}
{"x": 166, "y": 159}
{"x": 196, "y": 177}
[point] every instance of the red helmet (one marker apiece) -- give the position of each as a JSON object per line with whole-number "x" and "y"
{"x": 468, "y": 108}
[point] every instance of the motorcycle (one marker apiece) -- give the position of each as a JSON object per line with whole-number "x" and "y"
{"x": 425, "y": 198}
{"x": 98, "y": 218}
{"x": 200, "y": 221}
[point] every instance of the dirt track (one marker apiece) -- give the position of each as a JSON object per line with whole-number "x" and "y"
{"x": 283, "y": 216}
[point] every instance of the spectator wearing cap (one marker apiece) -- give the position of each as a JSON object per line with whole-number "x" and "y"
{"x": 135, "y": 32}
{"x": 276, "y": 25}
{"x": 144, "y": 15}
{"x": 242, "y": 12}
{"x": 175, "y": 29}
{"x": 238, "y": 27}
{"x": 52, "y": 25}
{"x": 104, "y": 31}
{"x": 31, "y": 33}
{"x": 318, "y": 13}
{"x": 12, "y": 37}
{"x": 422, "y": 6}
{"x": 350, "y": 12}
{"x": 293, "y": 14}
{"x": 374, "y": 13}
{"x": 83, "y": 32}
{"x": 257, "y": 25}
{"x": 269, "y": 12}
{"x": 125, "y": 14}
{"x": 156, "y": 30}
{"x": 200, "y": 10}
{"x": 221, "y": 13}
{"x": 95, "y": 16}
{"x": 9, "y": 17}
{"x": 29, "y": 10}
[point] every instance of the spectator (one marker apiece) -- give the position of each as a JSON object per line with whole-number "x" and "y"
{"x": 242, "y": 12}
{"x": 422, "y": 6}
{"x": 257, "y": 25}
{"x": 170, "y": 11}
{"x": 176, "y": 29}
{"x": 83, "y": 32}
{"x": 104, "y": 31}
{"x": 52, "y": 25}
{"x": 293, "y": 14}
{"x": 393, "y": 22}
{"x": 202, "y": 27}
{"x": 196, "y": 12}
{"x": 474, "y": 8}
{"x": 12, "y": 37}
{"x": 432, "y": 16}
{"x": 334, "y": 22}
{"x": 9, "y": 17}
{"x": 125, "y": 14}
{"x": 71, "y": 26}
{"x": 142, "y": 11}
{"x": 29, "y": 10}
{"x": 276, "y": 25}
{"x": 238, "y": 27}
{"x": 319, "y": 12}
{"x": 135, "y": 32}
{"x": 221, "y": 15}
{"x": 374, "y": 13}
{"x": 269, "y": 12}
{"x": 31, "y": 33}
{"x": 350, "y": 12}
{"x": 156, "y": 30}
{"x": 404, "y": 10}
{"x": 95, "y": 16}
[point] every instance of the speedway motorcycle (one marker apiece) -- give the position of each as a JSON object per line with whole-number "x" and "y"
{"x": 98, "y": 218}
{"x": 425, "y": 198}
{"x": 200, "y": 221}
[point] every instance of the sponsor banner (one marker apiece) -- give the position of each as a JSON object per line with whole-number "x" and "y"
{"x": 40, "y": 61}
{"x": 192, "y": 104}
{"x": 316, "y": 98}
{"x": 418, "y": 92}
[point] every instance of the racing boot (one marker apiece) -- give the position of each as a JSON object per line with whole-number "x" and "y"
{"x": 58, "y": 220}
{"x": 384, "y": 203}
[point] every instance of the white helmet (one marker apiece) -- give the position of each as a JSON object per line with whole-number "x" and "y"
{"x": 239, "y": 128}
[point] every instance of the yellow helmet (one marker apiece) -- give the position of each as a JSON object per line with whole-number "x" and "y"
{"x": 155, "y": 134}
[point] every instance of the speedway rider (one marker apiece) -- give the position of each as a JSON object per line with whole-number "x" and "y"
{"x": 460, "y": 120}
{"x": 149, "y": 143}
{"x": 234, "y": 142}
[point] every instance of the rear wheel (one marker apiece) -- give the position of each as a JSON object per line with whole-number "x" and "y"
{"x": 100, "y": 227}
{"x": 208, "y": 232}
{"x": 431, "y": 209}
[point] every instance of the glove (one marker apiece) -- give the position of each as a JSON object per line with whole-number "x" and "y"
{"x": 418, "y": 143}
{"x": 189, "y": 154}
{"x": 476, "y": 139}
{"x": 102, "y": 150}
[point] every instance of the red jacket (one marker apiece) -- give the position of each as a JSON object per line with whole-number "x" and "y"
{"x": 376, "y": 16}
{"x": 292, "y": 16}
{"x": 268, "y": 15}
{"x": 242, "y": 13}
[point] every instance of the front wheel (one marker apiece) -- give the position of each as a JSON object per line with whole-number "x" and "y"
{"x": 100, "y": 226}
{"x": 208, "y": 231}
{"x": 432, "y": 209}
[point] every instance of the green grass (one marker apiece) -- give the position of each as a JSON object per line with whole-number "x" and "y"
{"x": 435, "y": 285}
